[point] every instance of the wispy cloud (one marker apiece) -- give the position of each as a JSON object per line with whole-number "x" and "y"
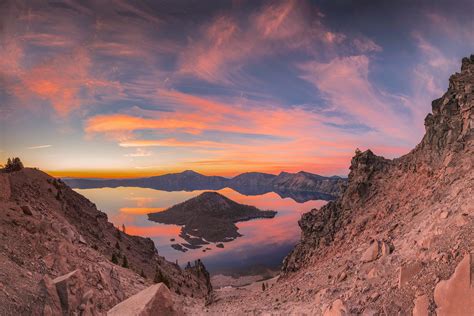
{"x": 139, "y": 153}
{"x": 39, "y": 147}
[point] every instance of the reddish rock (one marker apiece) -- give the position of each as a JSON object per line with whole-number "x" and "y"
{"x": 52, "y": 304}
{"x": 70, "y": 288}
{"x": 154, "y": 300}
{"x": 455, "y": 296}
{"x": 371, "y": 253}
{"x": 27, "y": 210}
{"x": 422, "y": 304}
{"x": 337, "y": 308}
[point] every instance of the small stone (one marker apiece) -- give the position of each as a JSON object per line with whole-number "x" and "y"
{"x": 371, "y": 253}
{"x": 372, "y": 273}
{"x": 385, "y": 249}
{"x": 342, "y": 277}
{"x": 374, "y": 296}
{"x": 82, "y": 240}
{"x": 444, "y": 215}
{"x": 27, "y": 210}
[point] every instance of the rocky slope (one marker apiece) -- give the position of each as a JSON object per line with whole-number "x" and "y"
{"x": 56, "y": 252}
{"x": 209, "y": 215}
{"x": 399, "y": 240}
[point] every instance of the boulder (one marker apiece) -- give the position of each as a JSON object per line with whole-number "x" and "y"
{"x": 52, "y": 304}
{"x": 444, "y": 215}
{"x": 408, "y": 271}
{"x": 27, "y": 210}
{"x": 385, "y": 249}
{"x": 422, "y": 304}
{"x": 337, "y": 308}
{"x": 154, "y": 300}
{"x": 70, "y": 287}
{"x": 455, "y": 296}
{"x": 371, "y": 253}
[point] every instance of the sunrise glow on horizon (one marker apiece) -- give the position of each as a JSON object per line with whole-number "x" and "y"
{"x": 122, "y": 89}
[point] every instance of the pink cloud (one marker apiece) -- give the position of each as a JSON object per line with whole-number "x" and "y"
{"x": 345, "y": 84}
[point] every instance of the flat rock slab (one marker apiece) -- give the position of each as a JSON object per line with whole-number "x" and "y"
{"x": 154, "y": 300}
{"x": 455, "y": 296}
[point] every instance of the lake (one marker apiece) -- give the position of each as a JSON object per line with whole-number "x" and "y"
{"x": 264, "y": 244}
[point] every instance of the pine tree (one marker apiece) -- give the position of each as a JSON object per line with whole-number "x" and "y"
{"x": 142, "y": 274}
{"x": 123, "y": 228}
{"x": 161, "y": 278}
{"x": 119, "y": 235}
{"x": 117, "y": 245}
{"x": 13, "y": 164}
{"x": 114, "y": 258}
{"x": 263, "y": 286}
{"x": 125, "y": 262}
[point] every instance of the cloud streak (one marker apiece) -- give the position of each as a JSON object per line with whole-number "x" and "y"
{"x": 39, "y": 147}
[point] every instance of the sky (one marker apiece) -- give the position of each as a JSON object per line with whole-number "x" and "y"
{"x": 136, "y": 88}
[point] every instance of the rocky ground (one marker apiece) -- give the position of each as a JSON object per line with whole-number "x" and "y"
{"x": 400, "y": 239}
{"x": 57, "y": 252}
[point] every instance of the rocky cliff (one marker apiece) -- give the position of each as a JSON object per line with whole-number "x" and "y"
{"x": 414, "y": 211}
{"x": 400, "y": 238}
{"x": 60, "y": 255}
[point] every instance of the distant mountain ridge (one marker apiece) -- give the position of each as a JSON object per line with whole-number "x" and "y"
{"x": 301, "y": 186}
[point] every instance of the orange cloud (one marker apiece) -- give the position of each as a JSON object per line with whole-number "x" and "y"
{"x": 170, "y": 142}
{"x": 121, "y": 122}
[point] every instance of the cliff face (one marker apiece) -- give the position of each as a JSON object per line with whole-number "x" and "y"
{"x": 53, "y": 238}
{"x": 418, "y": 208}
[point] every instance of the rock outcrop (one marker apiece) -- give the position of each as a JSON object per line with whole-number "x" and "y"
{"x": 56, "y": 253}
{"x": 418, "y": 208}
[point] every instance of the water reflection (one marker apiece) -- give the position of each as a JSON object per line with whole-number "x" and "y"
{"x": 264, "y": 243}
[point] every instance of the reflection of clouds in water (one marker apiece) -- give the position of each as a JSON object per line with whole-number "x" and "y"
{"x": 141, "y": 210}
{"x": 154, "y": 231}
{"x": 263, "y": 239}
{"x": 141, "y": 201}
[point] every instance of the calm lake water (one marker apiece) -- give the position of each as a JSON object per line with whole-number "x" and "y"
{"x": 264, "y": 244}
